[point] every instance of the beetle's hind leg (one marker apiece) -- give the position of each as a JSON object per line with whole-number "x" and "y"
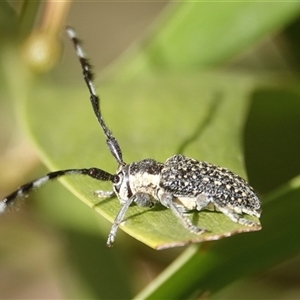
{"x": 236, "y": 217}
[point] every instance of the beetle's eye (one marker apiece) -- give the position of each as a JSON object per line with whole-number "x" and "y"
{"x": 118, "y": 179}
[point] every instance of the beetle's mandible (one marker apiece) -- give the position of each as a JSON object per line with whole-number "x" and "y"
{"x": 181, "y": 184}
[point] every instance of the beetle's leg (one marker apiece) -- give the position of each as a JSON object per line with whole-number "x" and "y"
{"x": 141, "y": 199}
{"x": 119, "y": 218}
{"x": 236, "y": 217}
{"x": 104, "y": 194}
{"x": 166, "y": 199}
{"x": 202, "y": 201}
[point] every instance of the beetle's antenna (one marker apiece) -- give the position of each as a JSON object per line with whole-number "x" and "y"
{"x": 111, "y": 141}
{"x": 28, "y": 187}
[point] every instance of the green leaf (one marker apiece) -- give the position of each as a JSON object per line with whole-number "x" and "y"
{"x": 204, "y": 114}
{"x": 237, "y": 257}
{"x": 205, "y": 111}
{"x": 197, "y": 35}
{"x": 156, "y": 111}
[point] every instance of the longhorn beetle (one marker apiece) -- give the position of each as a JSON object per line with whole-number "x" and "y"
{"x": 181, "y": 184}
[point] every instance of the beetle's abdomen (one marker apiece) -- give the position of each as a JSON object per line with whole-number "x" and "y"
{"x": 186, "y": 177}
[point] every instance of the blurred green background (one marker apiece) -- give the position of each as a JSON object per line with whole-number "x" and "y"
{"x": 54, "y": 246}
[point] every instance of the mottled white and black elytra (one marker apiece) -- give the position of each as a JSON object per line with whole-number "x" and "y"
{"x": 181, "y": 184}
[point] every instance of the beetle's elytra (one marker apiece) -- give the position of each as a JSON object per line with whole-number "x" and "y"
{"x": 181, "y": 183}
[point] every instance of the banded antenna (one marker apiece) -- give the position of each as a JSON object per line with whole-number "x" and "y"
{"x": 111, "y": 141}
{"x": 25, "y": 189}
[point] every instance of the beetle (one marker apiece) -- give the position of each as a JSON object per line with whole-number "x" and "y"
{"x": 181, "y": 184}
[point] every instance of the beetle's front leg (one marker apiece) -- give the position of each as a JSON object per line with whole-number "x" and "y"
{"x": 141, "y": 199}
{"x": 104, "y": 194}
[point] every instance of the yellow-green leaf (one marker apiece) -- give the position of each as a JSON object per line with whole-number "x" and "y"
{"x": 153, "y": 116}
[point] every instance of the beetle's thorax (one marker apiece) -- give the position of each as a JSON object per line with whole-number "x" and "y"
{"x": 138, "y": 177}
